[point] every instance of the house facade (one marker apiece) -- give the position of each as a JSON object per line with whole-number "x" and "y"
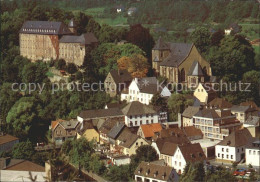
{"x": 253, "y": 153}
{"x": 187, "y": 115}
{"x": 137, "y": 114}
{"x": 232, "y": 148}
{"x": 216, "y": 124}
{"x": 88, "y": 131}
{"x": 204, "y": 93}
{"x": 149, "y": 130}
{"x": 242, "y": 112}
{"x": 143, "y": 89}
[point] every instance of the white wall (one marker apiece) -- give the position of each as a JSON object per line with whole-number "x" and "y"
{"x": 143, "y": 118}
{"x": 230, "y": 151}
{"x": 178, "y": 161}
{"x": 253, "y": 157}
{"x": 8, "y": 175}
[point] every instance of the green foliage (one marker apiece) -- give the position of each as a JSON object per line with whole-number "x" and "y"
{"x": 201, "y": 38}
{"x": 23, "y": 150}
{"x": 177, "y": 104}
{"x": 193, "y": 172}
{"x": 221, "y": 175}
{"x": 118, "y": 173}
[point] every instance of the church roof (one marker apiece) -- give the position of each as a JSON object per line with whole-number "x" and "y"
{"x": 195, "y": 69}
{"x": 161, "y": 45}
{"x": 84, "y": 39}
{"x": 45, "y": 27}
{"x": 179, "y": 51}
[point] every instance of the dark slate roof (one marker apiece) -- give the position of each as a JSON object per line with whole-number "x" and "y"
{"x": 148, "y": 85}
{"x": 207, "y": 113}
{"x": 45, "y": 27}
{"x": 109, "y": 124}
{"x": 155, "y": 171}
{"x": 253, "y": 120}
{"x": 190, "y": 111}
{"x": 71, "y": 124}
{"x": 179, "y": 51}
{"x": 100, "y": 113}
{"x": 195, "y": 69}
{"x": 127, "y": 138}
{"x": 115, "y": 131}
{"x": 84, "y": 39}
{"x": 192, "y": 152}
{"x": 161, "y": 45}
{"x": 137, "y": 108}
{"x": 121, "y": 76}
{"x": 237, "y": 138}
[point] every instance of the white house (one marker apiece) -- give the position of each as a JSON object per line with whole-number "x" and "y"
{"x": 253, "y": 154}
{"x": 144, "y": 89}
{"x": 232, "y": 148}
{"x": 187, "y": 153}
{"x": 136, "y": 114}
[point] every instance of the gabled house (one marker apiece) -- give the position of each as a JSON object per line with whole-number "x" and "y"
{"x": 242, "y": 112}
{"x": 7, "y": 142}
{"x": 253, "y": 153}
{"x": 219, "y": 103}
{"x": 149, "y": 130}
{"x": 204, "y": 93}
{"x": 232, "y": 148}
{"x": 253, "y": 125}
{"x": 129, "y": 142}
{"x": 115, "y": 132}
{"x": 187, "y": 153}
{"x": 192, "y": 133}
{"x": 116, "y": 81}
{"x": 143, "y": 89}
{"x": 180, "y": 63}
{"x": 155, "y": 172}
{"x": 64, "y": 130}
{"x": 216, "y": 124}
{"x": 87, "y": 130}
{"x": 137, "y": 114}
{"x": 187, "y": 115}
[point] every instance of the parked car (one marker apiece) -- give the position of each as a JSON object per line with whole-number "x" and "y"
{"x": 236, "y": 172}
{"x": 242, "y": 172}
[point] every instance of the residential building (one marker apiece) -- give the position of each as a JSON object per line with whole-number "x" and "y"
{"x": 47, "y": 40}
{"x": 7, "y": 142}
{"x": 115, "y": 131}
{"x": 87, "y": 130}
{"x": 208, "y": 147}
{"x": 253, "y": 125}
{"x": 187, "y": 153}
{"x": 149, "y": 130}
{"x": 137, "y": 114}
{"x": 106, "y": 127}
{"x": 143, "y": 89}
{"x": 128, "y": 142}
{"x": 219, "y": 103}
{"x": 192, "y": 133}
{"x": 204, "y": 93}
{"x": 187, "y": 115}
{"x": 216, "y": 124}
{"x": 100, "y": 114}
{"x": 167, "y": 151}
{"x": 232, "y": 148}
{"x": 73, "y": 48}
{"x": 154, "y": 172}
{"x": 180, "y": 63}
{"x": 242, "y": 112}
{"x": 64, "y": 130}
{"x": 119, "y": 159}
{"x": 253, "y": 153}
{"x": 116, "y": 81}
{"x": 233, "y": 28}
{"x": 19, "y": 170}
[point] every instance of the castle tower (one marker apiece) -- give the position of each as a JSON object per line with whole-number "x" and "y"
{"x": 72, "y": 26}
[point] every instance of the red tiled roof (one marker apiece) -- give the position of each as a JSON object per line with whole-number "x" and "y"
{"x": 54, "y": 123}
{"x": 150, "y": 129}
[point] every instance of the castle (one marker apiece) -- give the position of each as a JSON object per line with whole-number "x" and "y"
{"x": 46, "y": 40}
{"x": 180, "y": 63}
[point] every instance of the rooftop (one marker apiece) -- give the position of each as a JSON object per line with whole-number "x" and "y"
{"x": 150, "y": 129}
{"x": 137, "y": 108}
{"x": 100, "y": 113}
{"x": 7, "y": 138}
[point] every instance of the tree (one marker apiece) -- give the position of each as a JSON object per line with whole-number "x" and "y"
{"x": 217, "y": 37}
{"x": 193, "y": 172}
{"x": 66, "y": 147}
{"x": 158, "y": 100}
{"x": 34, "y": 72}
{"x": 23, "y": 116}
{"x": 138, "y": 66}
{"x": 119, "y": 173}
{"x": 60, "y": 64}
{"x": 201, "y": 38}
{"x": 23, "y": 150}
{"x": 72, "y": 68}
{"x": 221, "y": 175}
{"x": 141, "y": 37}
{"x": 177, "y": 103}
{"x": 123, "y": 63}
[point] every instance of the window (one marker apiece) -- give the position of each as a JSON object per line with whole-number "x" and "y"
{"x": 222, "y": 149}
{"x": 152, "y": 121}
{"x": 135, "y": 122}
{"x": 231, "y": 156}
{"x": 249, "y": 151}
{"x": 258, "y": 152}
{"x": 175, "y": 162}
{"x": 179, "y": 163}
{"x": 222, "y": 156}
{"x": 227, "y": 156}
{"x": 142, "y": 143}
{"x": 218, "y": 154}
{"x": 136, "y": 117}
{"x": 241, "y": 114}
{"x": 141, "y": 122}
{"x": 238, "y": 150}
{"x": 253, "y": 152}
{"x": 136, "y": 143}
{"x": 227, "y": 150}
{"x": 131, "y": 117}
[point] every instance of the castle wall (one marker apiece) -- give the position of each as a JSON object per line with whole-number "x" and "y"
{"x": 72, "y": 53}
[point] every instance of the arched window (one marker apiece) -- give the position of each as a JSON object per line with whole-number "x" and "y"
{"x": 205, "y": 71}
{"x": 182, "y": 75}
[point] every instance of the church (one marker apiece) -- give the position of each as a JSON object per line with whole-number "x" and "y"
{"x": 180, "y": 63}
{"x": 47, "y": 40}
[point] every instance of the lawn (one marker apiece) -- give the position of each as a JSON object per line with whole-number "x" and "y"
{"x": 119, "y": 20}
{"x": 95, "y": 11}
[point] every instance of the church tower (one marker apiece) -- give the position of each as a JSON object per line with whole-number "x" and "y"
{"x": 72, "y": 26}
